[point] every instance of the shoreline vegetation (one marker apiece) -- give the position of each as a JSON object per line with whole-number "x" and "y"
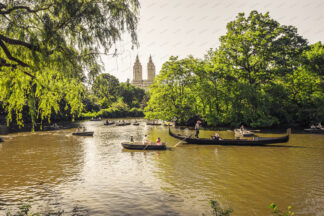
{"x": 263, "y": 74}
{"x": 216, "y": 210}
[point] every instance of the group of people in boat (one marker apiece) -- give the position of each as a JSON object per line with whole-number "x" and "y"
{"x": 107, "y": 122}
{"x": 81, "y": 129}
{"x": 318, "y": 126}
{"x": 148, "y": 142}
{"x": 216, "y": 137}
{"x": 122, "y": 122}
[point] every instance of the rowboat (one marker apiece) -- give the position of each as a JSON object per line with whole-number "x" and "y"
{"x": 136, "y": 123}
{"x": 150, "y": 123}
{"x": 245, "y": 133}
{"x": 257, "y": 141}
{"x": 95, "y": 119}
{"x": 143, "y": 146}
{"x": 123, "y": 124}
{"x": 315, "y": 130}
{"x": 109, "y": 123}
{"x": 86, "y": 133}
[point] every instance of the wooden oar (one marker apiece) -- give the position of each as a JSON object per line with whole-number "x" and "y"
{"x": 178, "y": 143}
{"x": 146, "y": 145}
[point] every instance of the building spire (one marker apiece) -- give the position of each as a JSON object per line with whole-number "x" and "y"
{"x": 150, "y": 70}
{"x": 137, "y": 70}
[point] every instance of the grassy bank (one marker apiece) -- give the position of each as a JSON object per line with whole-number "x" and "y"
{"x": 113, "y": 113}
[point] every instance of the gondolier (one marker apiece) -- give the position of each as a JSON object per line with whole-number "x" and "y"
{"x": 197, "y": 127}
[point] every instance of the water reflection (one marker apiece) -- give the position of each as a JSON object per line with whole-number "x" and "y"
{"x": 94, "y": 175}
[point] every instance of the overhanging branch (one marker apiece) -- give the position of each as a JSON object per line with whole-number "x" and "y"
{"x": 28, "y": 9}
{"x": 9, "y": 56}
{"x": 18, "y": 42}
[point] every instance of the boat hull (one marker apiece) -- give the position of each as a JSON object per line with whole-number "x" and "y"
{"x": 89, "y": 133}
{"x": 109, "y": 123}
{"x": 137, "y": 146}
{"x": 257, "y": 141}
{"x": 122, "y": 124}
{"x": 155, "y": 124}
{"x": 315, "y": 130}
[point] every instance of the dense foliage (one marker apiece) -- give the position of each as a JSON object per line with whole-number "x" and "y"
{"x": 263, "y": 74}
{"x": 49, "y": 47}
{"x": 108, "y": 98}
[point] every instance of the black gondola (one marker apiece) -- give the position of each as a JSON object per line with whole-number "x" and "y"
{"x": 86, "y": 133}
{"x": 257, "y": 141}
{"x": 141, "y": 146}
{"x": 109, "y": 123}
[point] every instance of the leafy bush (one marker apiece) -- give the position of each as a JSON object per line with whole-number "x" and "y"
{"x": 217, "y": 210}
{"x": 278, "y": 212}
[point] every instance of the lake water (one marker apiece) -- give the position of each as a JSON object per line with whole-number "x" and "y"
{"x": 96, "y": 176}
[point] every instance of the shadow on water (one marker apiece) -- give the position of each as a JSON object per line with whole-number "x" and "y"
{"x": 258, "y": 146}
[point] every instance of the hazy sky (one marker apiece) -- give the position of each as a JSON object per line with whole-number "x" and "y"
{"x": 184, "y": 27}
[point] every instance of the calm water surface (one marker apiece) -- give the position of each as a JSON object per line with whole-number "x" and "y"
{"x": 95, "y": 176}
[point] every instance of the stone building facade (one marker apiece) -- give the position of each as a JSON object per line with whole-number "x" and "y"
{"x": 138, "y": 74}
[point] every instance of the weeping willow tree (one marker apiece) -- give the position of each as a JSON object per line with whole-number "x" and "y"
{"x": 49, "y": 47}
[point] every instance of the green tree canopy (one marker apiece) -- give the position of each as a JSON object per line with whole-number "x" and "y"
{"x": 170, "y": 95}
{"x": 47, "y": 47}
{"x": 106, "y": 88}
{"x": 263, "y": 74}
{"x": 132, "y": 95}
{"x": 257, "y": 48}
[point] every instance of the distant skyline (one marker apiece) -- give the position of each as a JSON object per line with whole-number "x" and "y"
{"x": 189, "y": 27}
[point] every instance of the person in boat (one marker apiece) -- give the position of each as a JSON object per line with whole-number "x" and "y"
{"x": 145, "y": 141}
{"x": 216, "y": 136}
{"x": 158, "y": 141}
{"x": 132, "y": 139}
{"x": 197, "y": 127}
{"x": 84, "y": 129}
{"x": 319, "y": 125}
{"x": 313, "y": 127}
{"x": 242, "y": 128}
{"x": 107, "y": 122}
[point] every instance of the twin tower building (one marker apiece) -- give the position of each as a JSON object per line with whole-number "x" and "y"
{"x": 138, "y": 74}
